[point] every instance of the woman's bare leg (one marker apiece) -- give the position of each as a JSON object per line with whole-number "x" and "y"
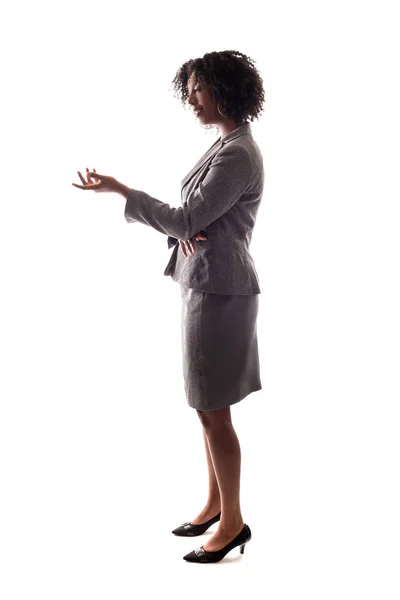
{"x": 213, "y": 504}
{"x": 225, "y": 453}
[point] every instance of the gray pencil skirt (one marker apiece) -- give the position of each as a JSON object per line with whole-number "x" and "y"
{"x": 219, "y": 348}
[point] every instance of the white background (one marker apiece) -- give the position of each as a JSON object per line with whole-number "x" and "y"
{"x": 101, "y": 457}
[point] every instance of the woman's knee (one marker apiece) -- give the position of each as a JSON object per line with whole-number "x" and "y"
{"x": 215, "y": 418}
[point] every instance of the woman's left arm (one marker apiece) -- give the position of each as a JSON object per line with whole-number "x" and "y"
{"x": 228, "y": 177}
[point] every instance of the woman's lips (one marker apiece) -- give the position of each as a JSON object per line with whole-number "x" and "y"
{"x": 197, "y": 110}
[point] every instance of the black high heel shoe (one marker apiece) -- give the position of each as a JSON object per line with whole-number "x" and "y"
{"x": 205, "y": 556}
{"x": 188, "y": 529}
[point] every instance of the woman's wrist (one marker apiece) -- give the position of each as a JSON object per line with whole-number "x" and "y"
{"x": 122, "y": 189}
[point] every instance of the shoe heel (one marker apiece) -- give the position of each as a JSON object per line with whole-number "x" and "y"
{"x": 248, "y": 539}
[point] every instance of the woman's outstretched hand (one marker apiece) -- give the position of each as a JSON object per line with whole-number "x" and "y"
{"x": 105, "y": 183}
{"x": 101, "y": 183}
{"x": 189, "y": 244}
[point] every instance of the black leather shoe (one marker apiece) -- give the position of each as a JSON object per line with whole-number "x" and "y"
{"x": 205, "y": 556}
{"x": 188, "y": 529}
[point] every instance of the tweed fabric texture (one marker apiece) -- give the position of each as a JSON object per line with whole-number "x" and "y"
{"x": 219, "y": 348}
{"x": 220, "y": 196}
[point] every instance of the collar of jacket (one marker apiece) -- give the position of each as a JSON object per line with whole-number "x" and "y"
{"x": 244, "y": 129}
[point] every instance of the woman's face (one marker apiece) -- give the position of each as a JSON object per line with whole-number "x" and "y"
{"x": 200, "y": 96}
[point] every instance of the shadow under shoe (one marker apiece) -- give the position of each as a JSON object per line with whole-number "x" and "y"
{"x": 190, "y": 530}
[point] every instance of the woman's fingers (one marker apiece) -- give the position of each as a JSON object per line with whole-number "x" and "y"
{"x": 189, "y": 245}
{"x": 90, "y": 180}
{"x": 186, "y": 247}
{"x": 182, "y": 245}
{"x": 81, "y": 177}
{"x": 97, "y": 182}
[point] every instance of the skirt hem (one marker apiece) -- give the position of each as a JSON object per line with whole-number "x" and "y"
{"x": 257, "y": 389}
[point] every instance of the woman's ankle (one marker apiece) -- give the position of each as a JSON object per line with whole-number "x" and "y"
{"x": 213, "y": 506}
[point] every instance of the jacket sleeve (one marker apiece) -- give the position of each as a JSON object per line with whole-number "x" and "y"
{"x": 227, "y": 178}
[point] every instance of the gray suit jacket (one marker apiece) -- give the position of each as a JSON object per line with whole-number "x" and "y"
{"x": 220, "y": 197}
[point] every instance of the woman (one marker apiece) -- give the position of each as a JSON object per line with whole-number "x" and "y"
{"x": 219, "y": 283}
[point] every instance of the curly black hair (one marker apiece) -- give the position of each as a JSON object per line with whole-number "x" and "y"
{"x": 235, "y": 83}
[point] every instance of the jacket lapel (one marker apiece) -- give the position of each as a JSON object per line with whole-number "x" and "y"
{"x": 242, "y": 130}
{"x": 209, "y": 154}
